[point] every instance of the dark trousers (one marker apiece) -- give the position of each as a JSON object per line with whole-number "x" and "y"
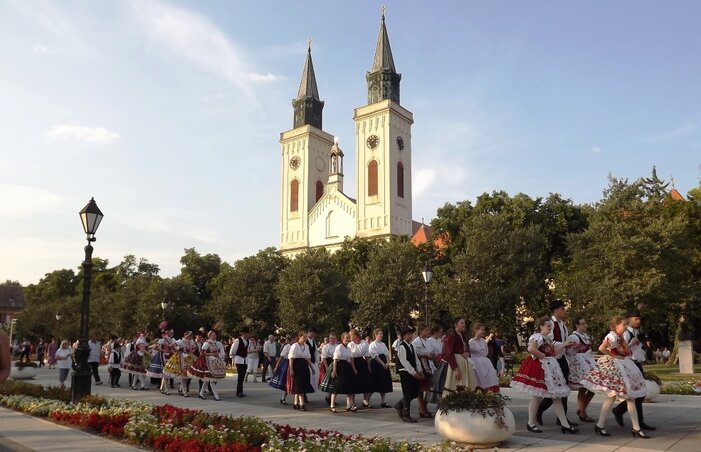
{"x": 115, "y": 374}
{"x": 410, "y": 391}
{"x": 267, "y": 364}
{"x": 622, "y": 407}
{"x": 241, "y": 370}
{"x": 548, "y": 402}
{"x": 95, "y": 374}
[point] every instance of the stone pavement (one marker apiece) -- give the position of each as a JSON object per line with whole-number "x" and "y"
{"x": 678, "y": 419}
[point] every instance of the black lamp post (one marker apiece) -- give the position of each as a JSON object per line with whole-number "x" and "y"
{"x": 428, "y": 275}
{"x": 81, "y": 378}
{"x": 164, "y": 306}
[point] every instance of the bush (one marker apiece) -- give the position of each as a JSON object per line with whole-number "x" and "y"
{"x": 23, "y": 364}
{"x": 18, "y": 387}
{"x": 484, "y": 403}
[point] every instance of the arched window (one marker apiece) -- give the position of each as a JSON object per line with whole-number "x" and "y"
{"x": 294, "y": 196}
{"x": 329, "y": 230}
{"x": 372, "y": 178}
{"x": 400, "y": 180}
{"x": 319, "y": 190}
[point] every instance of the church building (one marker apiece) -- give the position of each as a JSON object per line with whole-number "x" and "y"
{"x": 315, "y": 211}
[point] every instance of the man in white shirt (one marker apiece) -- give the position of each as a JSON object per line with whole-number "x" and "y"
{"x": 409, "y": 374}
{"x": 94, "y": 357}
{"x": 270, "y": 354}
{"x": 239, "y": 353}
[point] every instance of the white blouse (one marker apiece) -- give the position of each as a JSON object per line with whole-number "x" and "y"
{"x": 298, "y": 351}
{"x": 421, "y": 346}
{"x": 186, "y": 346}
{"x": 214, "y": 346}
{"x": 342, "y": 353}
{"x": 378, "y": 348}
{"x": 436, "y": 345}
{"x": 327, "y": 350}
{"x": 360, "y": 350}
{"x": 285, "y": 351}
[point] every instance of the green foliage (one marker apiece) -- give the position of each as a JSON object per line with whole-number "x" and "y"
{"x": 23, "y": 364}
{"x": 484, "y": 403}
{"x": 313, "y": 292}
{"x": 18, "y": 387}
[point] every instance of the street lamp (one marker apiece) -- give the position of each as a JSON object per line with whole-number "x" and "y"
{"x": 428, "y": 275}
{"x": 164, "y": 305}
{"x": 91, "y": 216}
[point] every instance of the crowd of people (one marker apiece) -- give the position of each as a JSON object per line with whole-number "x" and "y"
{"x": 350, "y": 369}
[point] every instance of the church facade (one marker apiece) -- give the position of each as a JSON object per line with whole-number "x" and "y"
{"x": 315, "y": 210}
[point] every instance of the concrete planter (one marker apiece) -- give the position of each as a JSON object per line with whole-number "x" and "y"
{"x": 653, "y": 390}
{"x": 23, "y": 373}
{"x": 472, "y": 428}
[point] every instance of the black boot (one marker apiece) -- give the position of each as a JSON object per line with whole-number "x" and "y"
{"x": 399, "y": 406}
{"x": 406, "y": 417}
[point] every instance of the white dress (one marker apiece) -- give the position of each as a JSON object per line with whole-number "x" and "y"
{"x": 484, "y": 370}
{"x": 616, "y": 376}
{"x": 579, "y": 359}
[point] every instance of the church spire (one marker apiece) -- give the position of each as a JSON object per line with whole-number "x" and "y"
{"x": 383, "y": 79}
{"x": 307, "y": 105}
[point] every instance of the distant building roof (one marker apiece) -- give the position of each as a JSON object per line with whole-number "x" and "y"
{"x": 675, "y": 195}
{"x": 11, "y": 297}
{"x": 421, "y": 233}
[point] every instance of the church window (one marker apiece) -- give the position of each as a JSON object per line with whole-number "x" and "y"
{"x": 400, "y": 180}
{"x": 319, "y": 190}
{"x": 372, "y": 178}
{"x": 329, "y": 232}
{"x": 294, "y": 196}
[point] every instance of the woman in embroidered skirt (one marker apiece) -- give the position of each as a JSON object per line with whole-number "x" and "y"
{"x": 616, "y": 375}
{"x": 181, "y": 361}
{"x": 158, "y": 360}
{"x": 300, "y": 369}
{"x": 344, "y": 375}
{"x": 456, "y": 351}
{"x": 137, "y": 361}
{"x": 379, "y": 367}
{"x": 279, "y": 380}
{"x": 541, "y": 377}
{"x": 580, "y": 363}
{"x": 210, "y": 366}
{"x": 485, "y": 372}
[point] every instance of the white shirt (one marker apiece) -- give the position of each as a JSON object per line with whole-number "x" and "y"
{"x": 64, "y": 363}
{"x": 95, "y": 350}
{"x": 185, "y": 346}
{"x": 115, "y": 359}
{"x": 378, "y": 348}
{"x": 636, "y": 350}
{"x": 285, "y": 352}
{"x": 327, "y": 350}
{"x": 298, "y": 351}
{"x": 270, "y": 349}
{"x": 422, "y": 347}
{"x": 235, "y": 346}
{"x": 436, "y": 345}
{"x": 214, "y": 346}
{"x": 563, "y": 334}
{"x": 360, "y": 350}
{"x": 404, "y": 359}
{"x": 342, "y": 353}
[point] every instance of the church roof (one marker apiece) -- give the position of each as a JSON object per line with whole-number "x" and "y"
{"x": 307, "y": 86}
{"x": 675, "y": 195}
{"x": 383, "y": 53}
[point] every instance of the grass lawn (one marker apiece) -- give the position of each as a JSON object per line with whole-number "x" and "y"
{"x": 669, "y": 373}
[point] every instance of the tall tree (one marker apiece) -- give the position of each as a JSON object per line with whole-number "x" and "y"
{"x": 200, "y": 271}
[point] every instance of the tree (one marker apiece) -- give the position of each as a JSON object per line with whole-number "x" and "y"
{"x": 313, "y": 292}
{"x": 245, "y": 292}
{"x": 390, "y": 286}
{"x": 200, "y": 271}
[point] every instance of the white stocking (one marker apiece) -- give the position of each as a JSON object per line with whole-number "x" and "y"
{"x": 560, "y": 411}
{"x": 605, "y": 410}
{"x": 213, "y": 387}
{"x": 533, "y": 410}
{"x": 633, "y": 414}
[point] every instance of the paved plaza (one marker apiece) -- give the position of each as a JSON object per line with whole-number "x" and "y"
{"x": 678, "y": 419}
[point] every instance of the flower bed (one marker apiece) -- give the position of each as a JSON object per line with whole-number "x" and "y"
{"x": 170, "y": 428}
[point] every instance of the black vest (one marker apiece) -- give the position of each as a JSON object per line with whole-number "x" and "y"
{"x": 410, "y": 356}
{"x": 312, "y": 350}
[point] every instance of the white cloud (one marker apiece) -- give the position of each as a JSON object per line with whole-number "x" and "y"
{"x": 43, "y": 50}
{"x": 21, "y": 201}
{"x": 170, "y": 222}
{"x": 197, "y": 39}
{"x": 75, "y": 132}
{"x": 677, "y": 132}
{"x": 595, "y": 149}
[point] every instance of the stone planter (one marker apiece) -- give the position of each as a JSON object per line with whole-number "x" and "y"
{"x": 23, "y": 373}
{"x": 472, "y": 428}
{"x": 653, "y": 390}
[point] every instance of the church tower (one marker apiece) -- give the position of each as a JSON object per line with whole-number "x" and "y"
{"x": 383, "y": 144}
{"x": 305, "y": 155}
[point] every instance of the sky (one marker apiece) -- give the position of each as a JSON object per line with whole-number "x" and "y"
{"x": 169, "y": 112}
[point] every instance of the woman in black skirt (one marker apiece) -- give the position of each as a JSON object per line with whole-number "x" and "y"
{"x": 300, "y": 369}
{"x": 361, "y": 358}
{"x": 379, "y": 367}
{"x": 344, "y": 375}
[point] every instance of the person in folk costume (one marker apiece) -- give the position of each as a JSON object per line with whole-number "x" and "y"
{"x": 410, "y": 374}
{"x": 485, "y": 372}
{"x": 558, "y": 335}
{"x": 540, "y": 376}
{"x": 300, "y": 368}
{"x": 279, "y": 379}
{"x": 632, "y": 338}
{"x": 456, "y": 352}
{"x": 181, "y": 361}
{"x": 126, "y": 351}
{"x": 114, "y": 362}
{"x": 379, "y": 367}
{"x": 253, "y": 358}
{"x": 158, "y": 360}
{"x": 361, "y": 358}
{"x": 616, "y": 375}
{"x": 210, "y": 366}
{"x": 199, "y": 342}
{"x": 344, "y": 375}
{"x": 327, "y": 366}
{"x": 314, "y": 353}
{"x": 425, "y": 355}
{"x": 239, "y": 352}
{"x": 581, "y": 362}
{"x": 137, "y": 361}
